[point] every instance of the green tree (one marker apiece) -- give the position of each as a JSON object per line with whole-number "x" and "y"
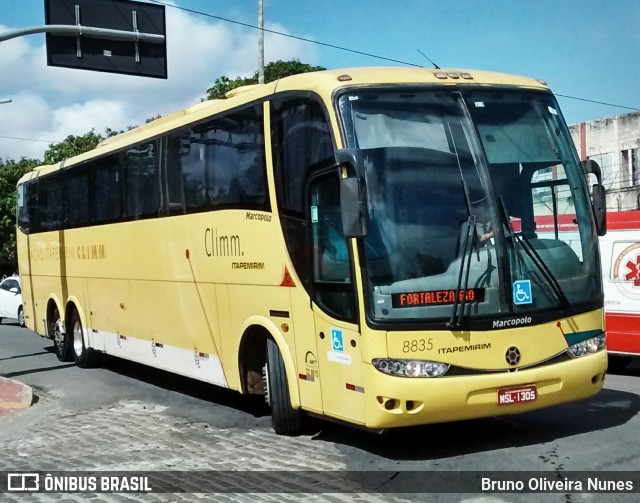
{"x": 272, "y": 71}
{"x": 10, "y": 173}
{"x": 72, "y": 145}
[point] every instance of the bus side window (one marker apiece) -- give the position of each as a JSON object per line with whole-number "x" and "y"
{"x": 301, "y": 141}
{"x": 142, "y": 183}
{"x": 173, "y": 189}
{"x": 191, "y": 158}
{"x": 24, "y": 206}
{"x": 77, "y": 199}
{"x": 333, "y": 288}
{"x": 236, "y": 173}
{"x": 51, "y": 203}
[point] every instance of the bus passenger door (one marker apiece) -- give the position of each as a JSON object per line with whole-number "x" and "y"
{"x": 334, "y": 307}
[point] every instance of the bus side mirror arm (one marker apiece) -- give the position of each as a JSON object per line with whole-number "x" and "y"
{"x": 353, "y": 203}
{"x": 598, "y": 196}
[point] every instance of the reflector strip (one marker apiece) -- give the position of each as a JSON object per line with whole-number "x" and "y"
{"x": 353, "y": 387}
{"x": 307, "y": 377}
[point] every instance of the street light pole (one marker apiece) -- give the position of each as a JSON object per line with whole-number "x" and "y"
{"x": 260, "y": 43}
{"x": 6, "y": 100}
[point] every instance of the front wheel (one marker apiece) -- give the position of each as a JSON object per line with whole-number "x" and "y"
{"x": 285, "y": 419}
{"x": 83, "y": 356}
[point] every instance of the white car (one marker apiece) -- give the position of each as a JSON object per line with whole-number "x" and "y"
{"x": 11, "y": 299}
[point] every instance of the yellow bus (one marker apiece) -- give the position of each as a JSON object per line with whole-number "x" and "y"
{"x": 357, "y": 244}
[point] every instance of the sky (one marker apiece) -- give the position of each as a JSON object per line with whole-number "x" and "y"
{"x": 587, "y": 50}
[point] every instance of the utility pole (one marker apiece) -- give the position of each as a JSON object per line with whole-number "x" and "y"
{"x": 260, "y": 43}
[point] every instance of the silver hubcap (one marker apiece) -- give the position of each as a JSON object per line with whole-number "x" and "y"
{"x": 78, "y": 343}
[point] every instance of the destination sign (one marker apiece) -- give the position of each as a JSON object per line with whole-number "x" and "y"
{"x": 436, "y": 297}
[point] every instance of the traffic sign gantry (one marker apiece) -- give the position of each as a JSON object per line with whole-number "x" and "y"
{"x": 119, "y": 36}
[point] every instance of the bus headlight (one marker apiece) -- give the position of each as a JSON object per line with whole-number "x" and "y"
{"x": 587, "y": 347}
{"x": 410, "y": 368}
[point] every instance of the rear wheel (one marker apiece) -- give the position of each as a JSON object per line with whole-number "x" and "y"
{"x": 285, "y": 419}
{"x": 83, "y": 356}
{"x": 61, "y": 343}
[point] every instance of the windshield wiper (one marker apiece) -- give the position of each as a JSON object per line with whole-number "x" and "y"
{"x": 470, "y": 239}
{"x": 544, "y": 269}
{"x": 529, "y": 249}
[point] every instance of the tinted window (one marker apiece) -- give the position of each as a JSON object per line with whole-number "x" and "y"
{"x": 301, "y": 141}
{"x": 220, "y": 162}
{"x": 215, "y": 164}
{"x": 106, "y": 189}
{"x": 142, "y": 180}
{"x": 77, "y": 198}
{"x": 51, "y": 207}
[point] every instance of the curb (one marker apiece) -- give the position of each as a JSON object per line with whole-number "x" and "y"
{"x": 14, "y": 395}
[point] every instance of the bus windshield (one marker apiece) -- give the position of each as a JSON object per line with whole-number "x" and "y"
{"x": 477, "y": 205}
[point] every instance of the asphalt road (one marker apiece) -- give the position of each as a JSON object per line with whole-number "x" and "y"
{"x": 124, "y": 416}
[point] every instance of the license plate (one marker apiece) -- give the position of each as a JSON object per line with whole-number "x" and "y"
{"x": 511, "y": 396}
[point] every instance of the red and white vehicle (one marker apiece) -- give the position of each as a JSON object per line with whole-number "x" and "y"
{"x": 620, "y": 250}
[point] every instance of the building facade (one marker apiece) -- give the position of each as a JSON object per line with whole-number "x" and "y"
{"x": 614, "y": 143}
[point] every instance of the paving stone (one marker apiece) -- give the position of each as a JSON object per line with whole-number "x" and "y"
{"x": 134, "y": 436}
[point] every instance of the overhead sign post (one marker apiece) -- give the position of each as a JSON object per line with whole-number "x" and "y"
{"x": 117, "y": 36}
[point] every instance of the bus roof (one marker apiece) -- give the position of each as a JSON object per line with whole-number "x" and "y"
{"x": 323, "y": 83}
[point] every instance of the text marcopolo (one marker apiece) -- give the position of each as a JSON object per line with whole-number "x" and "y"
{"x": 513, "y": 322}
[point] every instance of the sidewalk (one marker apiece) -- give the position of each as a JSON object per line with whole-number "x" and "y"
{"x": 13, "y": 395}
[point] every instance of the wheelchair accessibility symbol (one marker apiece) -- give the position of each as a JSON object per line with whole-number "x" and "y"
{"x": 522, "y": 292}
{"x": 336, "y": 340}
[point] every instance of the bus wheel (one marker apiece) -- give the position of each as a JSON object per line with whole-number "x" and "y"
{"x": 61, "y": 344}
{"x": 21, "y": 316}
{"x": 83, "y": 356}
{"x": 285, "y": 419}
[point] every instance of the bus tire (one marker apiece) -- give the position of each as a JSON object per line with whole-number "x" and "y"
{"x": 83, "y": 356}
{"x": 21, "y": 317}
{"x": 284, "y": 418}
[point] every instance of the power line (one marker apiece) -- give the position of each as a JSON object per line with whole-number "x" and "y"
{"x": 25, "y": 139}
{"x": 597, "y": 102}
{"x": 324, "y": 44}
{"x": 346, "y": 49}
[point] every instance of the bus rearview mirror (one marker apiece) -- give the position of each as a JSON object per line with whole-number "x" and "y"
{"x": 353, "y": 207}
{"x": 599, "y": 201}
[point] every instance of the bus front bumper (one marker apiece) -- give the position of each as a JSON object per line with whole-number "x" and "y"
{"x": 405, "y": 401}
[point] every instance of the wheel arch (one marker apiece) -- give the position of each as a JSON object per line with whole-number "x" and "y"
{"x": 252, "y": 354}
{"x": 73, "y": 304}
